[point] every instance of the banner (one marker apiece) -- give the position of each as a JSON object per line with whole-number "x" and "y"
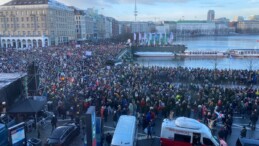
{"x": 88, "y": 53}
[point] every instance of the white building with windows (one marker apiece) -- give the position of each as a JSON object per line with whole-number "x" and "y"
{"x": 35, "y": 23}
{"x": 191, "y": 28}
{"x": 140, "y": 27}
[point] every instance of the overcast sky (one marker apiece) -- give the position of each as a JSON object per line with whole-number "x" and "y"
{"x": 167, "y": 9}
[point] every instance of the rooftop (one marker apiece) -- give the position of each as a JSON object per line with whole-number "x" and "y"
{"x": 8, "y": 78}
{"x": 192, "y": 21}
{"x": 26, "y": 2}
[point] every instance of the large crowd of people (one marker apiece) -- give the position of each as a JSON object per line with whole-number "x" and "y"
{"x": 75, "y": 78}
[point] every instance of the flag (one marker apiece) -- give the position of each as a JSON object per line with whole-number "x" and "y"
{"x": 145, "y": 39}
{"x": 135, "y": 36}
{"x": 171, "y": 38}
{"x": 149, "y": 39}
{"x": 157, "y": 38}
{"x": 160, "y": 39}
{"x": 165, "y": 39}
{"x": 139, "y": 38}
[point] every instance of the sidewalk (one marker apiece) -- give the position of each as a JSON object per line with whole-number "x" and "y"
{"x": 46, "y": 131}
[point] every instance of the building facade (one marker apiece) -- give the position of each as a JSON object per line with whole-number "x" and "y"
{"x": 115, "y": 27}
{"x": 248, "y": 27}
{"x": 80, "y": 21}
{"x": 89, "y": 26}
{"x": 139, "y": 27}
{"x": 254, "y": 17}
{"x": 238, "y": 18}
{"x": 211, "y": 15}
{"x": 124, "y": 27}
{"x": 35, "y": 23}
{"x": 195, "y": 28}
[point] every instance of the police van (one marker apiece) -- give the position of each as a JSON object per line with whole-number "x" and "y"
{"x": 186, "y": 132}
{"x": 126, "y": 131}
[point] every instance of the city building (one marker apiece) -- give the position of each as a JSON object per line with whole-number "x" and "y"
{"x": 254, "y": 17}
{"x": 108, "y": 27}
{"x": 93, "y": 16}
{"x": 80, "y": 21}
{"x": 172, "y": 26}
{"x": 139, "y": 27}
{"x": 103, "y": 27}
{"x": 222, "y": 29}
{"x": 222, "y": 26}
{"x": 36, "y": 23}
{"x": 248, "y": 26}
{"x": 115, "y": 27}
{"x": 84, "y": 24}
{"x": 124, "y": 27}
{"x": 89, "y": 26}
{"x": 238, "y": 18}
{"x": 211, "y": 15}
{"x": 195, "y": 28}
{"x": 162, "y": 28}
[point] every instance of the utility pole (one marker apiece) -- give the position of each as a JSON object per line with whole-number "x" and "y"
{"x": 135, "y": 12}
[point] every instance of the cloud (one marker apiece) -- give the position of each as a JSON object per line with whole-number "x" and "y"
{"x": 253, "y": 1}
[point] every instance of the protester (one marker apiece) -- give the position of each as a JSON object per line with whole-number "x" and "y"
{"x": 222, "y": 142}
{"x": 74, "y": 80}
{"x": 108, "y": 139}
{"x": 54, "y": 122}
{"x": 243, "y": 132}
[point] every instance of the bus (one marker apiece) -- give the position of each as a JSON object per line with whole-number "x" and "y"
{"x": 186, "y": 132}
{"x": 125, "y": 133}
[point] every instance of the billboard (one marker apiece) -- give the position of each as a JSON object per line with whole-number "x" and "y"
{"x": 90, "y": 127}
{"x": 17, "y": 135}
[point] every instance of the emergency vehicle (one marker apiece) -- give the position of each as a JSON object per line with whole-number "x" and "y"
{"x": 186, "y": 132}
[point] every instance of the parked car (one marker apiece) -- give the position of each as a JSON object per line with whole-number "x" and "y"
{"x": 63, "y": 135}
{"x": 247, "y": 142}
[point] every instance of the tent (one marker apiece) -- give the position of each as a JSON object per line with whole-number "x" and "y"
{"x": 27, "y": 106}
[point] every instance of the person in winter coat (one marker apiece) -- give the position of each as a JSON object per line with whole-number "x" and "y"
{"x": 253, "y": 119}
{"x": 243, "y": 132}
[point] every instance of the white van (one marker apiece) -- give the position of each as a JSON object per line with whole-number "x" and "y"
{"x": 186, "y": 132}
{"x": 125, "y": 133}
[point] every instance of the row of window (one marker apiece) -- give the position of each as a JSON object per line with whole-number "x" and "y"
{"x": 23, "y": 33}
{"x": 37, "y": 33}
{"x": 24, "y": 12}
{"x": 38, "y": 12}
{"x": 16, "y": 19}
{"x": 22, "y": 26}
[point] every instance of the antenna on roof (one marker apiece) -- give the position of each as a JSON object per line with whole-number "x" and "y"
{"x": 135, "y": 12}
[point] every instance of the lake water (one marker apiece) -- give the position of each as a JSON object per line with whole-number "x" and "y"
{"x": 220, "y": 43}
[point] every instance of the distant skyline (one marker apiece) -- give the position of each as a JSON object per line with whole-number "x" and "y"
{"x": 159, "y": 10}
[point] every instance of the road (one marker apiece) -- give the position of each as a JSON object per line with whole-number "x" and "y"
{"x": 238, "y": 124}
